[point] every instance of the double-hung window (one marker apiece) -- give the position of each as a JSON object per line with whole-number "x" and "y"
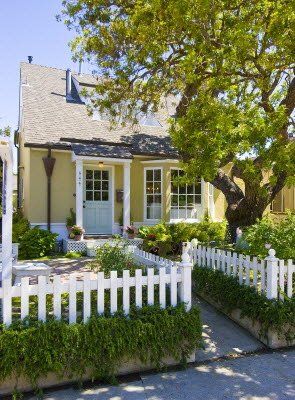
{"x": 153, "y": 193}
{"x": 185, "y": 198}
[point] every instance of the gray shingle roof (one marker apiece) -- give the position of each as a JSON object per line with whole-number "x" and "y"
{"x": 89, "y": 149}
{"x": 48, "y": 116}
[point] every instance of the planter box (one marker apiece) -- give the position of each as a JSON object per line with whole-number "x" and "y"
{"x": 51, "y": 380}
{"x": 273, "y": 339}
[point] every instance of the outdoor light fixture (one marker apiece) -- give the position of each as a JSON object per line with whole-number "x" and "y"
{"x": 100, "y": 164}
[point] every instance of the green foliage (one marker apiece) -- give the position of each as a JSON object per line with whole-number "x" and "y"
{"x": 20, "y": 226}
{"x": 167, "y": 238}
{"x": 71, "y": 219}
{"x": 227, "y": 292}
{"x": 230, "y": 66}
{"x": 6, "y": 131}
{"x": 37, "y": 243}
{"x": 74, "y": 254}
{"x": 157, "y": 238}
{"x": 100, "y": 345}
{"x": 280, "y": 235}
{"x": 113, "y": 257}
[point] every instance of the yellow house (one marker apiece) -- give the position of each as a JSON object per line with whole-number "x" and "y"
{"x": 110, "y": 177}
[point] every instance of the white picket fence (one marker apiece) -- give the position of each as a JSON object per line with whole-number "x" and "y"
{"x": 178, "y": 278}
{"x": 271, "y": 276}
{"x": 153, "y": 260}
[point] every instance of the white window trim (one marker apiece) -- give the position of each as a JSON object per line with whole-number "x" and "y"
{"x": 201, "y": 205}
{"x": 146, "y": 220}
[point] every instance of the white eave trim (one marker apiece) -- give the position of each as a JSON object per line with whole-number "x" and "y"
{"x": 102, "y": 159}
{"x": 161, "y": 161}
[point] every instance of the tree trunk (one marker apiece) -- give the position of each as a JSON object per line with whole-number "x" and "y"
{"x": 243, "y": 215}
{"x": 245, "y": 207}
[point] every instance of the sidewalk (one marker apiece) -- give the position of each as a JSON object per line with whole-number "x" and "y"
{"x": 264, "y": 377}
{"x": 223, "y": 337}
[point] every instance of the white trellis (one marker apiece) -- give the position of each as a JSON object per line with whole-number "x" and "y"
{"x": 6, "y": 155}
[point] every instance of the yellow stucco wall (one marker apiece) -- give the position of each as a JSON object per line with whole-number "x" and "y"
{"x": 24, "y": 173}
{"x": 63, "y": 186}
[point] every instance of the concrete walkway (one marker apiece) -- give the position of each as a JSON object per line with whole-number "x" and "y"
{"x": 255, "y": 377}
{"x": 223, "y": 337}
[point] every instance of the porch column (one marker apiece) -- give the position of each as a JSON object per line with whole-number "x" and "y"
{"x": 79, "y": 193}
{"x": 126, "y": 194}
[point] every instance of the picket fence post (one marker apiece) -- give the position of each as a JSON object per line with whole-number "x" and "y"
{"x": 272, "y": 275}
{"x": 185, "y": 267}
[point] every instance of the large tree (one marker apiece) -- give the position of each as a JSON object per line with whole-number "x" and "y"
{"x": 230, "y": 65}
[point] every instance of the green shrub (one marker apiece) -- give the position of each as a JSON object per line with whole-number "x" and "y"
{"x": 71, "y": 219}
{"x": 113, "y": 258}
{"x": 100, "y": 345}
{"x": 37, "y": 243}
{"x": 167, "y": 238}
{"x": 280, "y": 235}
{"x": 74, "y": 254}
{"x": 20, "y": 226}
{"x": 226, "y": 291}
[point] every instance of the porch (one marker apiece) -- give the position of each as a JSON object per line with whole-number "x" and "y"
{"x": 114, "y": 192}
{"x": 100, "y": 199}
{"x": 89, "y": 246}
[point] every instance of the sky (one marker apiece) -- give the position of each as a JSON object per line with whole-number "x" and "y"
{"x": 29, "y": 27}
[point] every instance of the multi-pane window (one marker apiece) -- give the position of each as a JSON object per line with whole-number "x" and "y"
{"x": 153, "y": 193}
{"x": 184, "y": 197}
{"x": 97, "y": 185}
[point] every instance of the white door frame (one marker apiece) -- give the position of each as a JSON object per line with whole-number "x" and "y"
{"x": 111, "y": 168}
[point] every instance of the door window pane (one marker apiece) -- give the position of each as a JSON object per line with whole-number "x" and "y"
{"x": 89, "y": 185}
{"x": 105, "y": 196}
{"x": 105, "y": 175}
{"x": 89, "y": 174}
{"x": 97, "y": 174}
{"x": 105, "y": 185}
{"x": 89, "y": 196}
{"x": 97, "y": 185}
{"x": 97, "y": 196}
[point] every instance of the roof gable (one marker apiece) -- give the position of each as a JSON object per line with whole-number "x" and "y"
{"x": 48, "y": 116}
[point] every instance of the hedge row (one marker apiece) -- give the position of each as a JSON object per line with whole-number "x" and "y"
{"x": 230, "y": 295}
{"x": 100, "y": 345}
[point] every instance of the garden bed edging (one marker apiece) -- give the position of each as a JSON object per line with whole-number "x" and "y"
{"x": 273, "y": 339}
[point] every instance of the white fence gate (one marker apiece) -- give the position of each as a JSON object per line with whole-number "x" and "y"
{"x": 271, "y": 276}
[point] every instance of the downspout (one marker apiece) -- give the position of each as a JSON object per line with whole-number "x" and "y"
{"x": 49, "y": 165}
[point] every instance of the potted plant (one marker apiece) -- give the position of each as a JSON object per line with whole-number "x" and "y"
{"x": 71, "y": 220}
{"x": 130, "y": 230}
{"x": 76, "y": 232}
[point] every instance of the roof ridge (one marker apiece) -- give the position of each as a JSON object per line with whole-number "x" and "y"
{"x": 55, "y": 68}
{"x": 42, "y": 66}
